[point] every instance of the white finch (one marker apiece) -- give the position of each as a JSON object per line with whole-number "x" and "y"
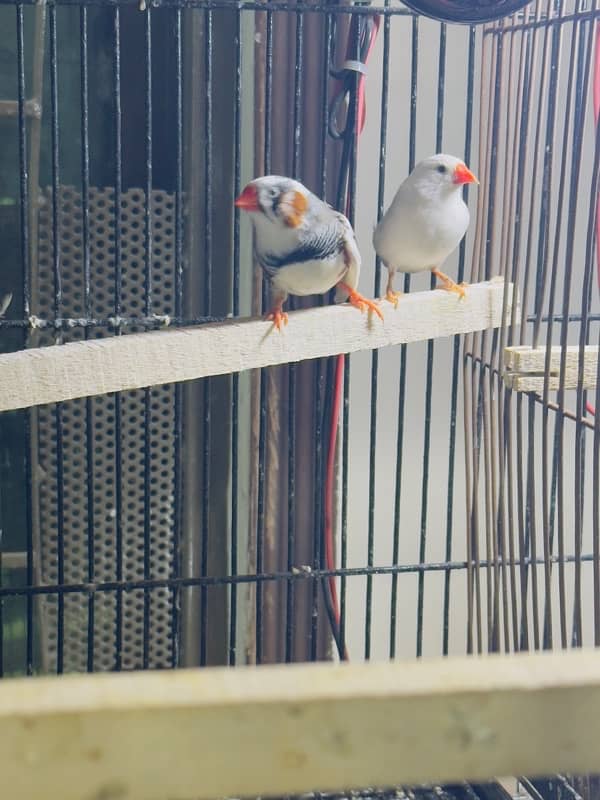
{"x": 425, "y": 222}
{"x": 302, "y": 244}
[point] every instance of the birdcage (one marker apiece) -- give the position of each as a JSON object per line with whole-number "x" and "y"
{"x": 181, "y": 485}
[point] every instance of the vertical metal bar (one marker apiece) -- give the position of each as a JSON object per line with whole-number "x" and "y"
{"x": 524, "y": 133}
{"x": 208, "y": 255}
{"x": 148, "y": 311}
{"x": 23, "y": 183}
{"x": 35, "y": 131}
{"x": 542, "y": 81}
{"x": 582, "y": 80}
{"x": 596, "y": 510}
{"x": 26, "y": 267}
{"x": 292, "y": 375}
{"x": 532, "y": 49}
{"x": 403, "y": 351}
{"x": 178, "y": 420}
{"x": 318, "y": 524}
{"x": 577, "y": 634}
{"x": 523, "y": 551}
{"x": 496, "y": 415}
{"x": 549, "y": 501}
{"x": 377, "y": 281}
{"x": 542, "y": 272}
{"x": 523, "y": 636}
{"x": 55, "y": 147}
{"x": 477, "y": 397}
{"x": 350, "y": 210}
{"x": 178, "y": 412}
{"x": 328, "y": 36}
{"x": 371, "y": 516}
{"x": 375, "y": 353}
{"x": 504, "y": 515}
{"x": 493, "y": 585}
{"x": 474, "y": 344}
{"x": 455, "y": 357}
{"x": 531, "y": 518}
{"x": 429, "y": 378}
{"x": 505, "y": 521}
{"x": 1, "y": 599}
{"x": 87, "y": 305}
{"x": 260, "y": 524}
{"x": 324, "y": 369}
{"x": 262, "y": 435}
{"x": 291, "y": 521}
{"x": 148, "y": 161}
{"x": 486, "y": 386}
{"x": 235, "y": 386}
{"x": 344, "y": 510}
{"x": 56, "y": 269}
{"x": 118, "y": 310}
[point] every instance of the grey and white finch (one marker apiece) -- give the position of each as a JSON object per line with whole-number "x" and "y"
{"x": 425, "y": 221}
{"x": 303, "y": 245}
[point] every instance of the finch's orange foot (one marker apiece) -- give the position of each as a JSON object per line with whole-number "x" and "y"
{"x": 458, "y": 288}
{"x": 359, "y": 301}
{"x": 392, "y": 297}
{"x": 278, "y": 316}
{"x": 448, "y": 284}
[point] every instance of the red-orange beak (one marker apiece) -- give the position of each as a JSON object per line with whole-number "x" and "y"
{"x": 248, "y": 200}
{"x": 462, "y": 174}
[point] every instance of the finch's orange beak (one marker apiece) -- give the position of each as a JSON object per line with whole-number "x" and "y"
{"x": 248, "y": 200}
{"x": 462, "y": 174}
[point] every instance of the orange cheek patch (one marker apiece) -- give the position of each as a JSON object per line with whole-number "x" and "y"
{"x": 293, "y": 206}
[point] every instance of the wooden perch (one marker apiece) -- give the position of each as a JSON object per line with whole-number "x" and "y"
{"x": 524, "y": 368}
{"x": 81, "y": 369}
{"x": 178, "y": 735}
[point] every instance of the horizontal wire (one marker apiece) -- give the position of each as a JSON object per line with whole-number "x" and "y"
{"x": 167, "y": 321}
{"x": 235, "y": 5}
{"x": 590, "y": 14}
{"x": 297, "y": 573}
{"x": 69, "y": 323}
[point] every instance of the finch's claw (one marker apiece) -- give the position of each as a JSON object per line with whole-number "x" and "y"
{"x": 449, "y": 285}
{"x": 278, "y": 316}
{"x": 392, "y": 297}
{"x": 359, "y": 301}
{"x": 459, "y": 288}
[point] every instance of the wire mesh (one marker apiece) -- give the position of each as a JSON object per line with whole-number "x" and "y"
{"x": 184, "y": 525}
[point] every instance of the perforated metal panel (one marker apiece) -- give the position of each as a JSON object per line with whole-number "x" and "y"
{"x": 89, "y": 444}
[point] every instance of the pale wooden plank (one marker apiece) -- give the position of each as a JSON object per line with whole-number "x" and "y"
{"x": 278, "y": 730}
{"x": 525, "y": 366}
{"x": 81, "y": 369}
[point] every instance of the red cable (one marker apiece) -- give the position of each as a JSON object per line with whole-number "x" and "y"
{"x": 339, "y": 377}
{"x": 362, "y": 102}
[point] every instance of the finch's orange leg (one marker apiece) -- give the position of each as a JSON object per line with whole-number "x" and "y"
{"x": 448, "y": 284}
{"x": 359, "y": 301}
{"x": 390, "y": 293}
{"x": 279, "y": 317}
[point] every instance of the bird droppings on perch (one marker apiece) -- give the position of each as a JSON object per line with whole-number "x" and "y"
{"x": 94, "y": 367}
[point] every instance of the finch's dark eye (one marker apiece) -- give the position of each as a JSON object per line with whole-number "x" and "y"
{"x": 442, "y": 169}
